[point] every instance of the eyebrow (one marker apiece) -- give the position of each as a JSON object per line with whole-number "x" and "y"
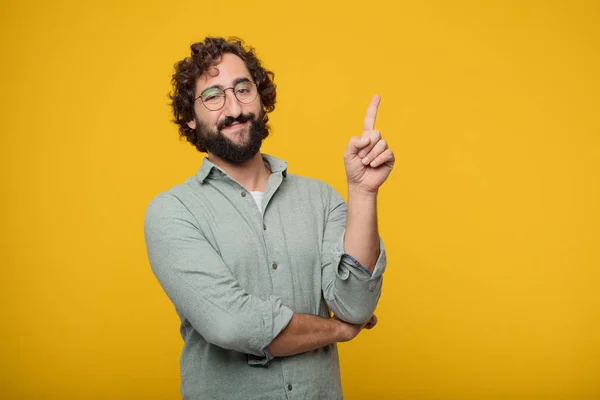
{"x": 235, "y": 82}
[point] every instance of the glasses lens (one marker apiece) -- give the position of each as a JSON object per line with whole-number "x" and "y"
{"x": 213, "y": 98}
{"x": 245, "y": 92}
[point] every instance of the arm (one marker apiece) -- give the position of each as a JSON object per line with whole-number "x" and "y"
{"x": 352, "y": 281}
{"x": 349, "y": 288}
{"x": 368, "y": 163}
{"x": 203, "y": 290}
{"x": 362, "y": 238}
{"x": 309, "y": 332}
{"x": 201, "y": 286}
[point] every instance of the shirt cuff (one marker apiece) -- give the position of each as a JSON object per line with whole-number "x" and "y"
{"x": 357, "y": 264}
{"x": 275, "y": 321}
{"x": 350, "y": 262}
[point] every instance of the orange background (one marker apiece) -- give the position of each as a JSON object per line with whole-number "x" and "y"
{"x": 491, "y": 217}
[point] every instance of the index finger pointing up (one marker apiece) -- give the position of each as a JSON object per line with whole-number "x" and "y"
{"x": 371, "y": 113}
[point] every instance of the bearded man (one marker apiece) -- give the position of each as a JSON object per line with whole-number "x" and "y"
{"x": 267, "y": 270}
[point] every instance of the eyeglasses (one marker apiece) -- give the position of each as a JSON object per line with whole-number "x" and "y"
{"x": 214, "y": 98}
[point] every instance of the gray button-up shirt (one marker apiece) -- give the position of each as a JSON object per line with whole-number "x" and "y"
{"x": 236, "y": 274}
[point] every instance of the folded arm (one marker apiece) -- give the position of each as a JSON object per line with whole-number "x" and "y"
{"x": 308, "y": 332}
{"x": 203, "y": 290}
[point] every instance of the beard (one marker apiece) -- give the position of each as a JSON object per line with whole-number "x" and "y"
{"x": 221, "y": 146}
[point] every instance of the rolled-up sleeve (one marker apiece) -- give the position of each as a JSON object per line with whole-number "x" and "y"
{"x": 350, "y": 289}
{"x": 202, "y": 288}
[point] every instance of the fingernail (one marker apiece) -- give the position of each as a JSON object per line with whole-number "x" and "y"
{"x": 362, "y": 153}
{"x": 365, "y": 160}
{"x": 364, "y": 139}
{"x": 373, "y": 164}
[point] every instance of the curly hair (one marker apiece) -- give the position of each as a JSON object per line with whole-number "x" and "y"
{"x": 204, "y": 56}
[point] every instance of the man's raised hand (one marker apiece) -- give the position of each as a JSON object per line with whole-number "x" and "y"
{"x": 367, "y": 158}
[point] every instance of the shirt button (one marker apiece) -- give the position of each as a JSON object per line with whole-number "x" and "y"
{"x": 243, "y": 194}
{"x": 274, "y": 266}
{"x": 290, "y": 387}
{"x": 264, "y": 227}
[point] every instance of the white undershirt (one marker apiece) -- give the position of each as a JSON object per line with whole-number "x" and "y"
{"x": 258, "y": 198}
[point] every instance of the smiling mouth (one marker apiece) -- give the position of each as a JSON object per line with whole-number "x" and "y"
{"x": 235, "y": 126}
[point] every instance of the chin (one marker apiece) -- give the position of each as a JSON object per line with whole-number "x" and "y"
{"x": 239, "y": 136}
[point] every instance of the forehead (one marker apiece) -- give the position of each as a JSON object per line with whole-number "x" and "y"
{"x": 229, "y": 68}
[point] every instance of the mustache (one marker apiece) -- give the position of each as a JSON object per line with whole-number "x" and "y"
{"x": 240, "y": 118}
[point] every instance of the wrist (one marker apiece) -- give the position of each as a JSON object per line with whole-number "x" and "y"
{"x": 341, "y": 331}
{"x": 338, "y": 329}
{"x": 359, "y": 193}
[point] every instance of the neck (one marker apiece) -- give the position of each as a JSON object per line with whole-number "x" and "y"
{"x": 253, "y": 175}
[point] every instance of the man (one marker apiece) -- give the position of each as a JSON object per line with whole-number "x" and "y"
{"x": 255, "y": 259}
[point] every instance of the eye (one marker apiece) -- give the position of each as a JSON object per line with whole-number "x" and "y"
{"x": 212, "y": 95}
{"x": 243, "y": 87}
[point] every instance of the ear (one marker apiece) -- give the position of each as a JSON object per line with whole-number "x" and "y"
{"x": 192, "y": 124}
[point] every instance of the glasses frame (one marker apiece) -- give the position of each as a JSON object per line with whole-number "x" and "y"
{"x": 225, "y": 96}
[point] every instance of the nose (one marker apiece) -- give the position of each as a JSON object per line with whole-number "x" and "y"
{"x": 232, "y": 106}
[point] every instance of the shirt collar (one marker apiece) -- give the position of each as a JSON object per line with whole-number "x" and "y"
{"x": 210, "y": 170}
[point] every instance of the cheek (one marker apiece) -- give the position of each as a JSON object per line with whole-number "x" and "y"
{"x": 253, "y": 108}
{"x": 214, "y": 119}
{"x": 209, "y": 119}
